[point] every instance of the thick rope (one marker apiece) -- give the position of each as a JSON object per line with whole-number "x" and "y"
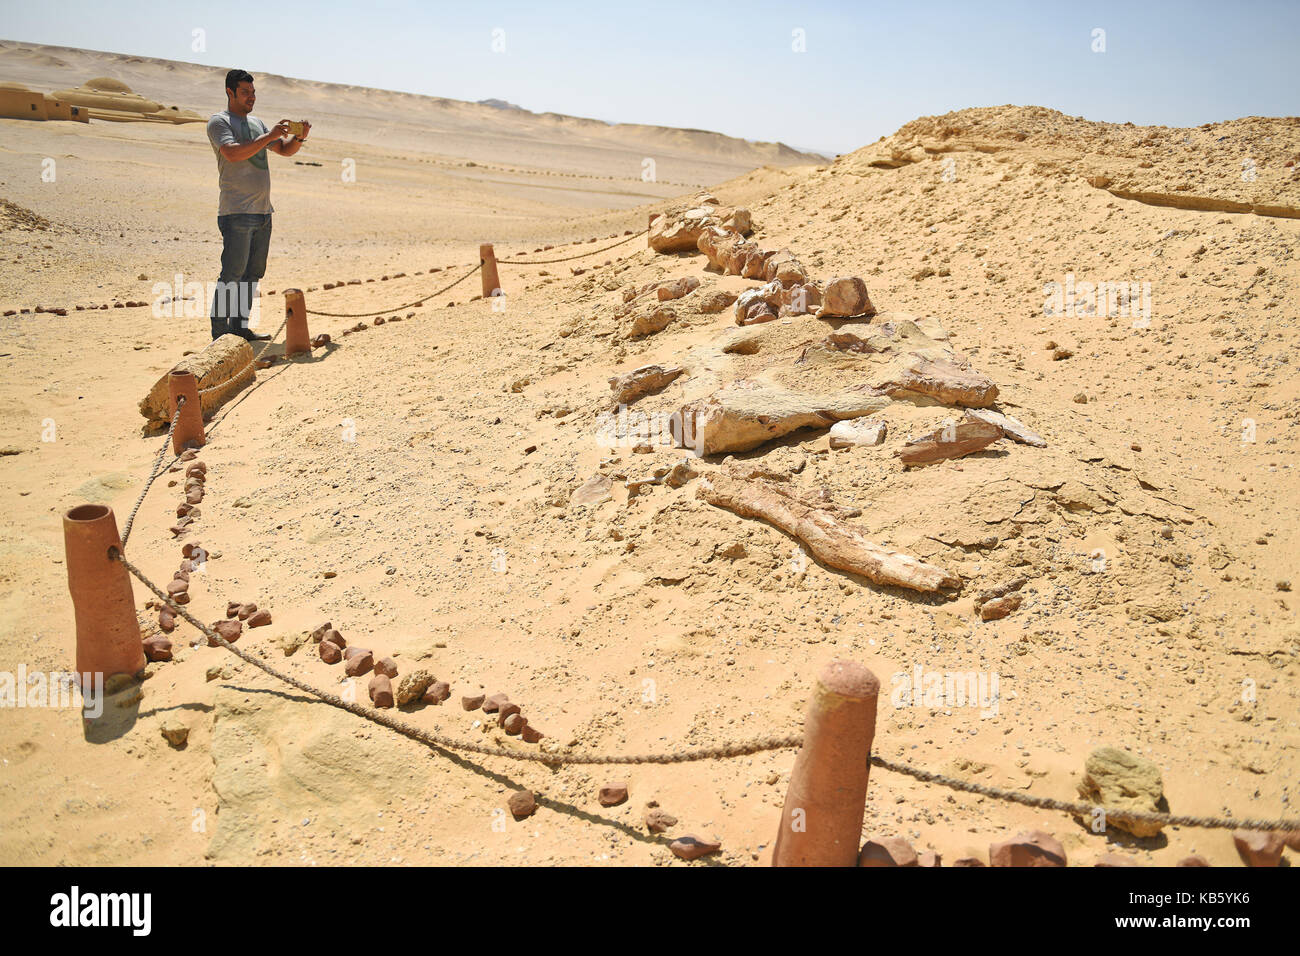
{"x": 1081, "y": 809}
{"x": 735, "y": 749}
{"x": 580, "y": 255}
{"x": 396, "y": 308}
{"x": 153, "y": 472}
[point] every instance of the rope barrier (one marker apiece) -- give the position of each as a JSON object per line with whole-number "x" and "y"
{"x": 581, "y": 255}
{"x": 396, "y": 308}
{"x": 721, "y": 751}
{"x": 154, "y": 472}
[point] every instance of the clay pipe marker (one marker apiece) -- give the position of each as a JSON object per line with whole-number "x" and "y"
{"x": 487, "y": 258}
{"x": 108, "y": 635}
{"x": 189, "y": 427}
{"x": 821, "y": 822}
{"x": 296, "y": 337}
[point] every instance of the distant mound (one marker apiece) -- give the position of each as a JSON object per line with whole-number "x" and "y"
{"x": 106, "y": 84}
{"x": 501, "y": 105}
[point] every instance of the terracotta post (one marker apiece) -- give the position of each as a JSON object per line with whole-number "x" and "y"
{"x": 821, "y": 824}
{"x": 108, "y": 635}
{"x": 189, "y": 427}
{"x": 488, "y": 260}
{"x": 296, "y": 337}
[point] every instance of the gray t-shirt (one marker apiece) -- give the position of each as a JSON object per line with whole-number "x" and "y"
{"x": 246, "y": 185}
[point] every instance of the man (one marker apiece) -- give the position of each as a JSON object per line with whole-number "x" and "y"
{"x": 240, "y": 141}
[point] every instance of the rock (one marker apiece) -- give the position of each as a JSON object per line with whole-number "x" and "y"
{"x": 612, "y": 794}
{"x": 929, "y": 858}
{"x": 175, "y": 733}
{"x": 681, "y": 473}
{"x": 739, "y": 221}
{"x": 232, "y": 609}
{"x": 1081, "y": 399}
{"x": 319, "y": 633}
{"x": 438, "y": 691}
{"x": 244, "y": 612}
{"x": 968, "y": 861}
{"x": 504, "y": 711}
{"x": 1258, "y": 847}
{"x": 745, "y": 414}
{"x": 692, "y": 847}
{"x": 784, "y": 268}
{"x": 1010, "y": 427}
{"x": 1291, "y": 838}
{"x": 950, "y": 441}
{"x": 381, "y": 691}
{"x": 335, "y": 638}
{"x": 492, "y": 704}
{"x": 650, "y": 322}
{"x": 522, "y": 804}
{"x": 157, "y": 648}
{"x": 1193, "y": 860}
{"x": 999, "y": 608}
{"x": 845, "y": 297}
{"x": 858, "y": 432}
{"x": 758, "y": 312}
{"x": 412, "y": 686}
{"x": 230, "y": 630}
{"x": 677, "y": 288}
{"x": 472, "y": 703}
{"x": 530, "y": 734}
{"x": 715, "y": 301}
{"x": 718, "y": 247}
{"x": 513, "y": 724}
{"x": 595, "y": 490}
{"x": 659, "y": 821}
{"x": 645, "y": 380}
{"x": 260, "y": 618}
{"x": 175, "y": 587}
{"x": 166, "y": 620}
{"x": 1115, "y": 859}
{"x": 1032, "y": 848}
{"x": 1118, "y": 780}
{"x": 329, "y": 652}
{"x": 289, "y": 643}
{"x": 887, "y": 851}
{"x": 358, "y": 663}
{"x": 386, "y": 666}
{"x": 948, "y": 379}
{"x": 227, "y": 356}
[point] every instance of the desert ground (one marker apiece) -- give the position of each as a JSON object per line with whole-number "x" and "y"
{"x": 414, "y": 483}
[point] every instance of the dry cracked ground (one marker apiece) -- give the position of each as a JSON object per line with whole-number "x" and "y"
{"x": 414, "y": 484}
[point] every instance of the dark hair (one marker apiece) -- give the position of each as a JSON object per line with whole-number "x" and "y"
{"x": 235, "y": 77}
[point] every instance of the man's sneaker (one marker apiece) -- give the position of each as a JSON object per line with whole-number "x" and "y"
{"x": 256, "y": 337}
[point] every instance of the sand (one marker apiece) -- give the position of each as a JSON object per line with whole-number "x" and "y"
{"x": 654, "y": 622}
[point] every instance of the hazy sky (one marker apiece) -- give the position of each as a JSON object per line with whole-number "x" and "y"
{"x": 866, "y": 68}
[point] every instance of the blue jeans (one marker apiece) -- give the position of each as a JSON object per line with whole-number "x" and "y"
{"x": 246, "y": 238}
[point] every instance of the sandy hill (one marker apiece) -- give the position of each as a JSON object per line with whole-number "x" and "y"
{"x": 436, "y": 489}
{"x": 483, "y": 131}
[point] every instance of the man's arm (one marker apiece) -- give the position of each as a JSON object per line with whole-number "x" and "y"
{"x": 292, "y": 145}
{"x": 237, "y": 152}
